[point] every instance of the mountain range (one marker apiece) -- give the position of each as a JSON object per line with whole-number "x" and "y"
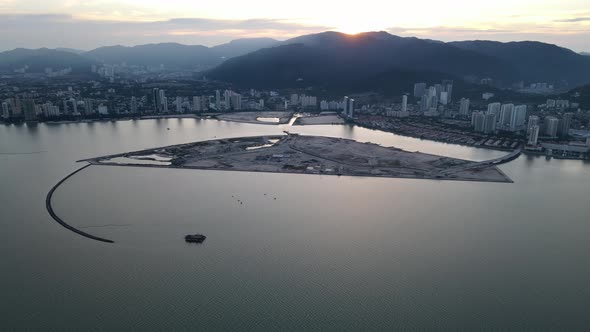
{"x": 333, "y": 60}
{"x": 171, "y": 55}
{"x": 336, "y": 59}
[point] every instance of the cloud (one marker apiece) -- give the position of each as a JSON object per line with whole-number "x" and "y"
{"x": 445, "y": 30}
{"x": 52, "y": 30}
{"x": 576, "y": 37}
{"x": 573, "y": 20}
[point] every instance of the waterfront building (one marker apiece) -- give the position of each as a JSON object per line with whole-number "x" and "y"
{"x": 533, "y": 121}
{"x": 5, "y": 111}
{"x": 156, "y": 99}
{"x": 88, "y": 106}
{"x": 29, "y": 110}
{"x": 178, "y": 105}
{"x": 49, "y": 110}
{"x": 345, "y": 110}
{"x": 217, "y": 100}
{"x": 236, "y": 101}
{"x": 196, "y": 104}
{"x": 103, "y": 109}
{"x": 164, "y": 104}
{"x": 564, "y": 125}
{"x": 534, "y": 135}
{"x": 133, "y": 105}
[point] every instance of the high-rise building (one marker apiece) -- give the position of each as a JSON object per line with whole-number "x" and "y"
{"x": 217, "y": 100}
{"x": 164, "y": 104}
{"x": 294, "y": 99}
{"x": 518, "y": 117}
{"x": 506, "y": 114}
{"x": 103, "y": 109}
{"x": 178, "y": 105}
{"x": 404, "y": 103}
{"x": 534, "y": 135}
{"x": 350, "y": 108}
{"x": 478, "y": 121}
{"x": 494, "y": 108}
{"x": 17, "y": 111}
{"x": 345, "y": 107}
{"x": 433, "y": 102}
{"x": 227, "y": 99}
{"x": 419, "y": 90}
{"x": 29, "y": 110}
{"x": 162, "y": 95}
{"x": 133, "y": 105}
{"x": 489, "y": 123}
{"x": 448, "y": 88}
{"x": 551, "y": 125}
{"x": 74, "y": 106}
{"x": 88, "y": 106}
{"x": 236, "y": 101}
{"x": 49, "y": 110}
{"x": 196, "y": 104}
{"x": 424, "y": 103}
{"x": 444, "y": 98}
{"x": 438, "y": 88}
{"x": 5, "y": 111}
{"x": 565, "y": 124}
{"x": 204, "y": 103}
{"x": 533, "y": 121}
{"x": 464, "y": 108}
{"x": 156, "y": 99}
{"x": 432, "y": 92}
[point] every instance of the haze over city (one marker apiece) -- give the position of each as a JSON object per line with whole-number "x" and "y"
{"x": 89, "y": 24}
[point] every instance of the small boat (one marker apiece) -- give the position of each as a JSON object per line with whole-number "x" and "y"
{"x": 195, "y": 238}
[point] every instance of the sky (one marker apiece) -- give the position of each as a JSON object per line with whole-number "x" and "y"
{"x": 87, "y": 24}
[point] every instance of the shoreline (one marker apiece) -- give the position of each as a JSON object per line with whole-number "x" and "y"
{"x": 429, "y": 139}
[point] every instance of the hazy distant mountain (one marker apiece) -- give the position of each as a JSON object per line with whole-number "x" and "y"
{"x": 535, "y": 61}
{"x": 38, "y": 60}
{"x": 179, "y": 56}
{"x": 168, "y": 54}
{"x": 71, "y": 50}
{"x": 585, "y": 53}
{"x": 335, "y": 59}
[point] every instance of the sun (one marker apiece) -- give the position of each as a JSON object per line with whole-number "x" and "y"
{"x": 357, "y": 26}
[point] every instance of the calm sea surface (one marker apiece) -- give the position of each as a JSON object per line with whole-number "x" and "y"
{"x": 336, "y": 253}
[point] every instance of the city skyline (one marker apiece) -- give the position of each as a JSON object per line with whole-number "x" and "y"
{"x": 87, "y": 25}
